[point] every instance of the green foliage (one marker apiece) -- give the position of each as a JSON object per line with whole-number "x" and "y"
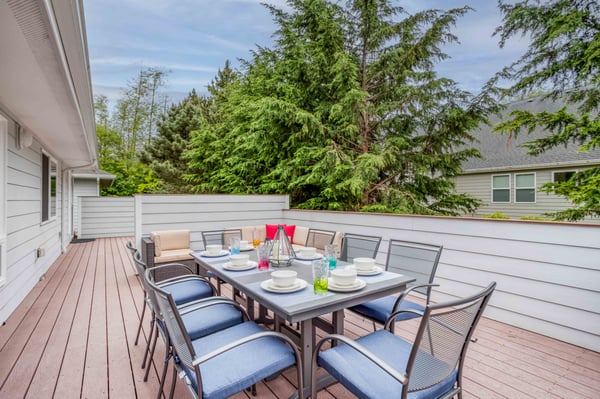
{"x": 497, "y": 215}
{"x": 345, "y": 112}
{"x": 538, "y": 218}
{"x": 564, "y": 56}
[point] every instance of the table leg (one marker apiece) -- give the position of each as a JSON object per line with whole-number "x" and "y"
{"x": 307, "y": 341}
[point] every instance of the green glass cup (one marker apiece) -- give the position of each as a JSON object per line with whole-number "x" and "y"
{"x": 320, "y": 269}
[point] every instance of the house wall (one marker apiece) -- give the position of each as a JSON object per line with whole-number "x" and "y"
{"x": 82, "y": 188}
{"x": 106, "y": 217}
{"x": 25, "y": 232}
{"x": 548, "y": 273}
{"x": 480, "y": 186}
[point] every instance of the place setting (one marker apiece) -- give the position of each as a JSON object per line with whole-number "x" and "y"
{"x": 344, "y": 280}
{"x": 214, "y": 251}
{"x": 239, "y": 262}
{"x": 283, "y": 281}
{"x": 308, "y": 253}
{"x": 366, "y": 267}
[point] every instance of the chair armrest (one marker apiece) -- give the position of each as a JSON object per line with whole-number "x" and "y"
{"x": 362, "y": 350}
{"x": 212, "y": 301}
{"x": 389, "y": 323}
{"x": 148, "y": 251}
{"x": 408, "y": 291}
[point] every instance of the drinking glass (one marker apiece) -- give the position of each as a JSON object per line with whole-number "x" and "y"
{"x": 255, "y": 238}
{"x": 320, "y": 269}
{"x": 331, "y": 254}
{"x": 234, "y": 245}
{"x": 262, "y": 253}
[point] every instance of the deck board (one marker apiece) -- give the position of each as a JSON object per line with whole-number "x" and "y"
{"x": 73, "y": 337}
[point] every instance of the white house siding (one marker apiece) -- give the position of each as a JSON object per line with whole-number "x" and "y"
{"x": 24, "y": 231}
{"x": 82, "y": 188}
{"x": 106, "y": 217}
{"x": 480, "y": 186}
{"x": 205, "y": 212}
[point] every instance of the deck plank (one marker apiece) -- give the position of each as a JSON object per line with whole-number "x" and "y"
{"x": 73, "y": 337}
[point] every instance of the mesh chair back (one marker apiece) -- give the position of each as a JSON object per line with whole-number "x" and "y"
{"x": 179, "y": 339}
{"x": 319, "y": 238}
{"x": 442, "y": 339}
{"x": 357, "y": 246}
{"x": 416, "y": 260}
{"x": 220, "y": 237}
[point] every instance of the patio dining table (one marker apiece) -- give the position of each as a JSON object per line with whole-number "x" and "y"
{"x": 303, "y": 306}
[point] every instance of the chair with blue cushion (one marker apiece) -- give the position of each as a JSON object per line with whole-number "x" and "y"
{"x": 383, "y": 365}
{"x": 359, "y": 246}
{"x": 228, "y": 361}
{"x": 220, "y": 237}
{"x": 414, "y": 259}
{"x": 200, "y": 318}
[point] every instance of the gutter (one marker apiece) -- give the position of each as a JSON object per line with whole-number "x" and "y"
{"x": 589, "y": 162}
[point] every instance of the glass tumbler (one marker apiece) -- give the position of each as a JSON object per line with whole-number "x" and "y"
{"x": 262, "y": 253}
{"x": 320, "y": 269}
{"x": 331, "y": 254}
{"x": 234, "y": 246}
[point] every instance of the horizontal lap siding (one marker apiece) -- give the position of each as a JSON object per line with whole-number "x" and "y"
{"x": 24, "y": 231}
{"x": 107, "y": 217}
{"x": 82, "y": 188}
{"x": 548, "y": 274}
{"x": 199, "y": 213}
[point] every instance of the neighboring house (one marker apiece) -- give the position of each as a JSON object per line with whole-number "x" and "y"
{"x": 508, "y": 180}
{"x": 86, "y": 183}
{"x": 47, "y": 132}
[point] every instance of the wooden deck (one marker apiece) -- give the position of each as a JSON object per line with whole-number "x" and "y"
{"x": 73, "y": 337}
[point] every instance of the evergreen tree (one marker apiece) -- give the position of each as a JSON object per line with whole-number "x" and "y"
{"x": 563, "y": 59}
{"x": 345, "y": 113}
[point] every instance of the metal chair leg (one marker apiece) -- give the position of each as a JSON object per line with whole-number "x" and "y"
{"x": 173, "y": 382}
{"x": 137, "y": 336}
{"x": 151, "y": 354}
{"x": 148, "y": 343}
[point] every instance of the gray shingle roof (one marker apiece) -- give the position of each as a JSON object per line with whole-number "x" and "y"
{"x": 501, "y": 152}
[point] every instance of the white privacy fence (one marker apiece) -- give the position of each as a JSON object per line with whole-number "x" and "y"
{"x": 548, "y": 274}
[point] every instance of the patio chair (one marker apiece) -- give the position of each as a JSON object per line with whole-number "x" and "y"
{"x": 200, "y": 318}
{"x": 228, "y": 361}
{"x": 319, "y": 238}
{"x": 383, "y": 365}
{"x": 357, "y": 245}
{"x": 414, "y": 259}
{"x": 185, "y": 289}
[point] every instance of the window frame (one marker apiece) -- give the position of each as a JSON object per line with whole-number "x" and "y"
{"x": 47, "y": 211}
{"x": 554, "y": 172}
{"x": 534, "y": 188}
{"x": 493, "y": 189}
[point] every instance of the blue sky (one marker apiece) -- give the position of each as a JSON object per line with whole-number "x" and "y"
{"x": 192, "y": 39}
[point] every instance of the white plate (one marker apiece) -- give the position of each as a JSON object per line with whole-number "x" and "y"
{"x": 372, "y": 272}
{"x": 358, "y": 284}
{"x": 267, "y": 285}
{"x": 251, "y": 265}
{"x": 317, "y": 256}
{"x": 222, "y": 253}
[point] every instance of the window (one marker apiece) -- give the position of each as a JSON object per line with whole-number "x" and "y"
{"x": 48, "y": 188}
{"x": 563, "y": 176}
{"x": 501, "y": 188}
{"x": 525, "y": 187}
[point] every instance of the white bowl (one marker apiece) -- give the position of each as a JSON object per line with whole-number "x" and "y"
{"x": 343, "y": 277}
{"x": 283, "y": 278}
{"x": 214, "y": 249}
{"x": 364, "y": 264}
{"x": 308, "y": 252}
{"x": 239, "y": 259}
{"x": 244, "y": 244}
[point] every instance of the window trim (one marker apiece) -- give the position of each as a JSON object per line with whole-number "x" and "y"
{"x": 507, "y": 188}
{"x": 534, "y": 187}
{"x": 47, "y": 216}
{"x": 554, "y": 172}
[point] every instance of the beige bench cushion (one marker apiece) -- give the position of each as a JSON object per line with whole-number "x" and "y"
{"x": 300, "y": 235}
{"x": 173, "y": 255}
{"x": 169, "y": 240}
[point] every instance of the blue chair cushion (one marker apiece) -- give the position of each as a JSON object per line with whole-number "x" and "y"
{"x": 241, "y": 367}
{"x": 366, "y": 380}
{"x": 188, "y": 290}
{"x": 380, "y": 309}
{"x": 201, "y": 322}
